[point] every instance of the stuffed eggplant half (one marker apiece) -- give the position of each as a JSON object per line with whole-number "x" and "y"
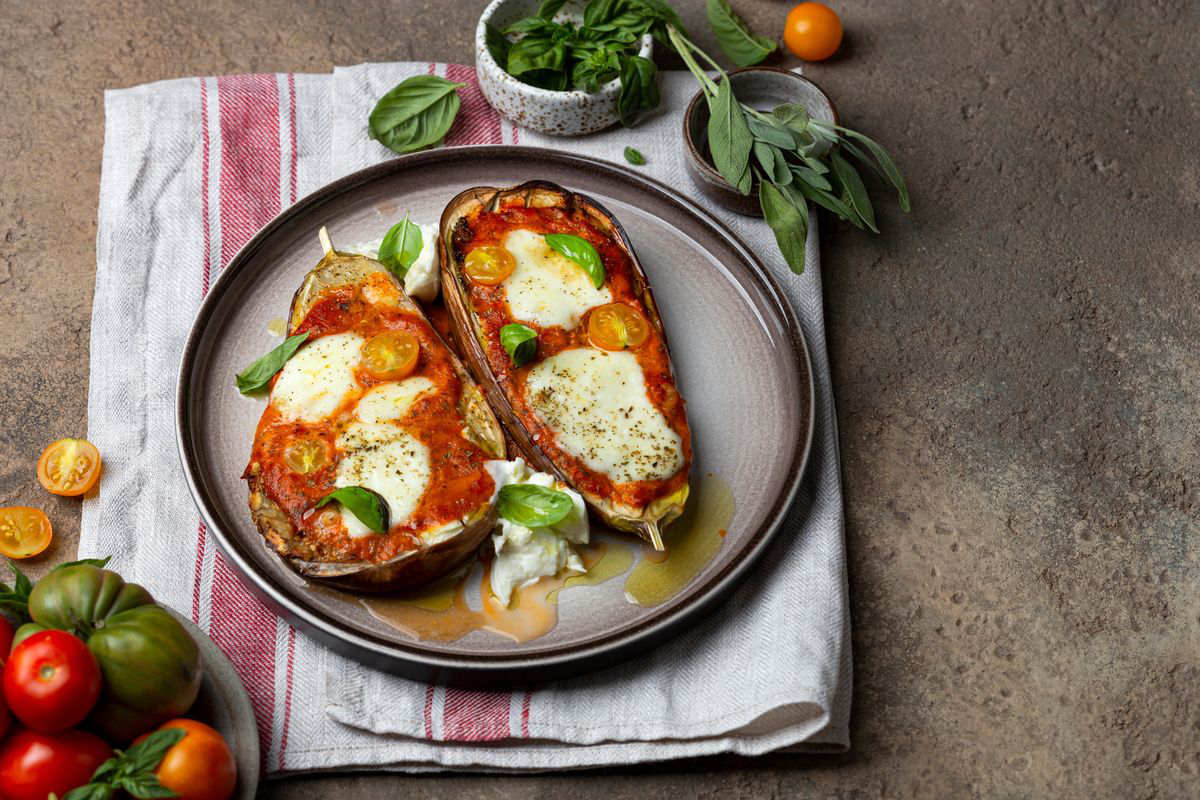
{"x": 372, "y": 410}
{"x": 556, "y": 319}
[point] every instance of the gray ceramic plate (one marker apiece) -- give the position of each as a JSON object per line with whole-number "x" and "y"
{"x": 224, "y": 704}
{"x": 739, "y": 353}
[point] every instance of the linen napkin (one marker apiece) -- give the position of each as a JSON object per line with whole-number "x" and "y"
{"x": 192, "y": 168}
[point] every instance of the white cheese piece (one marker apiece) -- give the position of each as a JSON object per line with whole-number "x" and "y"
{"x": 317, "y": 379}
{"x": 387, "y": 460}
{"x": 596, "y": 403}
{"x": 547, "y": 289}
{"x": 523, "y": 555}
{"x": 421, "y": 281}
{"x": 391, "y": 401}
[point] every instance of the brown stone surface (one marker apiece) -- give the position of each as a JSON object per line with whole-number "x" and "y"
{"x": 1017, "y": 367}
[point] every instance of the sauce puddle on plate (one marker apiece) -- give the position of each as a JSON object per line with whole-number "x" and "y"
{"x": 692, "y": 541}
{"x": 442, "y": 612}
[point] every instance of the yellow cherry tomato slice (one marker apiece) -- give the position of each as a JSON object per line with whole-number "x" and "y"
{"x": 305, "y": 456}
{"x": 24, "y": 532}
{"x": 69, "y": 467}
{"x": 617, "y": 326}
{"x": 391, "y": 355}
{"x": 489, "y": 265}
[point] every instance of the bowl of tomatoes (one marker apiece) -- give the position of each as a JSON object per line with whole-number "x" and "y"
{"x": 105, "y": 692}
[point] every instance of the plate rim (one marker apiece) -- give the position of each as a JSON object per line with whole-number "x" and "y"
{"x": 491, "y": 669}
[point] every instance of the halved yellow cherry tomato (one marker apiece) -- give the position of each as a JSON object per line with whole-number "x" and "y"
{"x": 24, "y": 532}
{"x": 305, "y": 455}
{"x": 69, "y": 467}
{"x": 391, "y": 355}
{"x": 616, "y": 326}
{"x": 489, "y": 264}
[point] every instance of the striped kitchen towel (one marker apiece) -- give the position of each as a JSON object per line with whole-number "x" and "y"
{"x": 192, "y": 169}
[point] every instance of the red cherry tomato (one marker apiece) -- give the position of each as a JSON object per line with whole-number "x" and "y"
{"x": 6, "y": 637}
{"x": 33, "y": 764}
{"x": 51, "y": 681}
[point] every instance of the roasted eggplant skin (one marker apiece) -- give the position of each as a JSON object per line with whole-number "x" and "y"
{"x": 413, "y": 567}
{"x": 648, "y": 521}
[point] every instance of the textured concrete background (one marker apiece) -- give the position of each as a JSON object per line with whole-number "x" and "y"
{"x": 1017, "y": 367}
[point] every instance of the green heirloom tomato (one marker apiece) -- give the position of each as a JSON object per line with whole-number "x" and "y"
{"x": 150, "y": 663}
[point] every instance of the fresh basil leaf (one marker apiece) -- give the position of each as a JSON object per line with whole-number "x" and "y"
{"x": 533, "y": 25}
{"x": 661, "y": 13}
{"x": 742, "y": 46}
{"x": 595, "y": 68}
{"x": 534, "y": 506}
{"x": 634, "y": 156}
{"x": 256, "y": 376}
{"x": 363, "y": 503}
{"x": 91, "y": 791}
{"x": 146, "y": 755}
{"x": 549, "y": 8}
{"x": 144, "y": 787}
{"x": 581, "y": 251}
{"x": 520, "y": 342}
{"x": 535, "y": 53}
{"x": 22, "y": 586}
{"x": 789, "y": 223}
{"x": 855, "y": 191}
{"x": 639, "y": 88}
{"x": 598, "y": 12}
{"x": 497, "y": 44}
{"x": 778, "y": 136}
{"x": 416, "y": 114}
{"x": 92, "y": 562}
{"x": 729, "y": 138}
{"x": 400, "y": 247}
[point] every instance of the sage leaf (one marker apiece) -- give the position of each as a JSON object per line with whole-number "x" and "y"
{"x": 885, "y": 163}
{"x": 534, "y": 506}
{"x": 812, "y": 177}
{"x": 416, "y": 114}
{"x": 791, "y": 115}
{"x": 773, "y": 163}
{"x": 851, "y": 181}
{"x": 634, "y": 156}
{"x": 520, "y": 342}
{"x": 256, "y": 376}
{"x": 829, "y": 202}
{"x": 729, "y": 138}
{"x": 400, "y": 247}
{"x": 789, "y": 223}
{"x": 579, "y": 250}
{"x": 780, "y": 137}
{"x": 737, "y": 41}
{"x": 363, "y": 503}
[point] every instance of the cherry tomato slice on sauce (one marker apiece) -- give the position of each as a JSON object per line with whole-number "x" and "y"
{"x": 616, "y": 326}
{"x": 489, "y": 264}
{"x": 391, "y": 355}
{"x": 69, "y": 467}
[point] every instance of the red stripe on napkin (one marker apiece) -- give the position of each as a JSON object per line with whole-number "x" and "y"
{"x": 248, "y": 189}
{"x": 470, "y": 716}
{"x": 478, "y": 122}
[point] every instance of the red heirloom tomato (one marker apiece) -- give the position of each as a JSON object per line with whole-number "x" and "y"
{"x": 6, "y": 637}
{"x": 200, "y": 766}
{"x": 33, "y": 764}
{"x": 51, "y": 681}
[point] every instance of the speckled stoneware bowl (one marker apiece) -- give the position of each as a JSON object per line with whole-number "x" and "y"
{"x": 758, "y": 87}
{"x": 569, "y": 113}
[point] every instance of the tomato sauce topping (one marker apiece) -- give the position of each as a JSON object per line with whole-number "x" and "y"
{"x": 458, "y": 482}
{"x": 491, "y": 309}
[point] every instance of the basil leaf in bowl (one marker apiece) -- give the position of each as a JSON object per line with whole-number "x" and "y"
{"x": 534, "y": 506}
{"x": 519, "y": 341}
{"x": 580, "y": 251}
{"x": 365, "y": 504}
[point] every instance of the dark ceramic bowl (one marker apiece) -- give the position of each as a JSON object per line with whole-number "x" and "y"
{"x": 759, "y": 87}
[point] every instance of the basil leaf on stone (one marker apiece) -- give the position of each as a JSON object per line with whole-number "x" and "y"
{"x": 259, "y": 374}
{"x": 580, "y": 251}
{"x": 520, "y": 342}
{"x": 729, "y": 138}
{"x": 789, "y": 223}
{"x": 363, "y": 503}
{"x": 497, "y": 44}
{"x": 534, "y": 506}
{"x": 400, "y": 247}
{"x": 416, "y": 114}
{"x": 634, "y": 156}
{"x": 737, "y": 41}
{"x": 854, "y": 189}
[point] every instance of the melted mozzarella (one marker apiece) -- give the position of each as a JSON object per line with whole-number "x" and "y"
{"x": 317, "y": 379}
{"x": 523, "y": 555}
{"x": 389, "y": 401}
{"x": 596, "y": 404}
{"x": 547, "y": 288}
{"x": 387, "y": 460}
